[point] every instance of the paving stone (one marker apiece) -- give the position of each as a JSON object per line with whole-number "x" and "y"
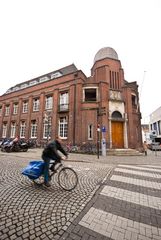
{"x": 40, "y": 210}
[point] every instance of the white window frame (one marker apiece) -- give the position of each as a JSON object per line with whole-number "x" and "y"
{"x": 7, "y": 110}
{"x": 13, "y": 130}
{"x": 44, "y": 79}
{"x": 25, "y": 107}
{"x": 4, "y": 130}
{"x": 33, "y": 129}
{"x": 63, "y": 127}
{"x": 48, "y": 102}
{"x": 25, "y": 85}
{"x": 15, "y": 108}
{"x": 64, "y": 100}
{"x": 15, "y": 89}
{"x": 34, "y": 82}
{"x": 22, "y": 129}
{"x": 90, "y": 132}
{"x": 55, "y": 75}
{"x": 36, "y": 104}
{"x": 47, "y": 129}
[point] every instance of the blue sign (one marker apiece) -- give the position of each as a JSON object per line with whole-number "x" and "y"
{"x": 103, "y": 129}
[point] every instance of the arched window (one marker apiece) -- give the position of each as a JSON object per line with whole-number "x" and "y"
{"x": 116, "y": 114}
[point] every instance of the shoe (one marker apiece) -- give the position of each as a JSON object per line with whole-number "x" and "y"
{"x": 52, "y": 169}
{"x": 47, "y": 184}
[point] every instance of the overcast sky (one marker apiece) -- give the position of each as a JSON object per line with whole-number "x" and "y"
{"x": 40, "y": 36}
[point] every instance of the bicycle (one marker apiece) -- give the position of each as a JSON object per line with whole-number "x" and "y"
{"x": 67, "y": 177}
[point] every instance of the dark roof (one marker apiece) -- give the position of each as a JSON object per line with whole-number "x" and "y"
{"x": 69, "y": 69}
{"x": 49, "y": 76}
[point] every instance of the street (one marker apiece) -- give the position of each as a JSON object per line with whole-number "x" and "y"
{"x": 116, "y": 198}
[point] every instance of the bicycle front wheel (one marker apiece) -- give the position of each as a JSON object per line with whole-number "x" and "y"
{"x": 67, "y": 178}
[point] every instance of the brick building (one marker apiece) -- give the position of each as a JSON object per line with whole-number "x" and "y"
{"x": 68, "y": 103}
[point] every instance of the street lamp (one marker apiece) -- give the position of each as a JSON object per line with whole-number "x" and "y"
{"x": 47, "y": 120}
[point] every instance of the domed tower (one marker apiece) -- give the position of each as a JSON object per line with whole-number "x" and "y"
{"x": 108, "y": 65}
{"x": 119, "y": 98}
{"x": 106, "y": 52}
{"x": 107, "y": 72}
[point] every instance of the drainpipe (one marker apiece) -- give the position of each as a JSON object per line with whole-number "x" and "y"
{"x": 74, "y": 115}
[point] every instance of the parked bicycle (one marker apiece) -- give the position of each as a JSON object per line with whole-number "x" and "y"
{"x": 71, "y": 148}
{"x": 88, "y": 148}
{"x": 66, "y": 176}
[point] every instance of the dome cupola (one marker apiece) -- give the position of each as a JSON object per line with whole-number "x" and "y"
{"x": 106, "y": 52}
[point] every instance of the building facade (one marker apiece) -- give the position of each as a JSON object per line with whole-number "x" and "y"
{"x": 155, "y": 124}
{"x": 67, "y": 103}
{"x": 146, "y": 133}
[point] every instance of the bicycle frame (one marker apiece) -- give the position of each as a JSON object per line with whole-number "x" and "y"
{"x": 67, "y": 177}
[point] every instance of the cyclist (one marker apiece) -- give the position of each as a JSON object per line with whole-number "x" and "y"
{"x": 50, "y": 152}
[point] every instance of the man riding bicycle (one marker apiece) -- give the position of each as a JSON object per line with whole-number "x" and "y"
{"x": 50, "y": 152}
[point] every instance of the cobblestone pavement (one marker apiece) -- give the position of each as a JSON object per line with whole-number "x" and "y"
{"x": 28, "y": 211}
{"x": 116, "y": 198}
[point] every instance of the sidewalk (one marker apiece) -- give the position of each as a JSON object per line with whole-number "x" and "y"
{"x": 153, "y": 157}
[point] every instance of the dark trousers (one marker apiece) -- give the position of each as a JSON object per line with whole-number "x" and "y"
{"x": 46, "y": 167}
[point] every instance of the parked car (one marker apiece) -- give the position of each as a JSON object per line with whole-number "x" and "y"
{"x": 156, "y": 146}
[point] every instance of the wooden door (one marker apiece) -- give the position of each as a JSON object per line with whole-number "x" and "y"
{"x": 117, "y": 135}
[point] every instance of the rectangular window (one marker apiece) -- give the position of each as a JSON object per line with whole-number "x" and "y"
{"x": 4, "y": 130}
{"x": 114, "y": 80}
{"x": 0, "y": 110}
{"x": 47, "y": 128}
{"x": 32, "y": 83}
{"x": 25, "y": 85}
{"x": 64, "y": 101}
{"x": 33, "y": 129}
{"x": 63, "y": 127}
{"x": 48, "y": 102}
{"x": 110, "y": 79}
{"x": 118, "y": 80}
{"x": 134, "y": 100}
{"x": 7, "y": 110}
{"x": 159, "y": 127}
{"x": 36, "y": 104}
{"x": 13, "y": 130}
{"x": 25, "y": 107}
{"x": 22, "y": 129}
{"x": 43, "y": 79}
{"x": 90, "y": 94}
{"x": 15, "y": 108}
{"x": 90, "y": 132}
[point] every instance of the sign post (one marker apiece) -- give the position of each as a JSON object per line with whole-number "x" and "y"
{"x": 103, "y": 142}
{"x": 98, "y": 139}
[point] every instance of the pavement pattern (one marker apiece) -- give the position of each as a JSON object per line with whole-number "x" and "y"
{"x": 127, "y": 206}
{"x": 116, "y": 198}
{"x": 29, "y": 211}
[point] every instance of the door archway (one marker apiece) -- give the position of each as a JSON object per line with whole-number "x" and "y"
{"x": 117, "y": 130}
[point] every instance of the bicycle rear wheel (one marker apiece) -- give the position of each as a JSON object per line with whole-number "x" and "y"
{"x": 67, "y": 178}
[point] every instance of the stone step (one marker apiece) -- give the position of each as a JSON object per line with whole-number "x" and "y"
{"x": 124, "y": 152}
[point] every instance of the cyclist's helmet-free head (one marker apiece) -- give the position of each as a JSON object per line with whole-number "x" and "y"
{"x": 58, "y": 139}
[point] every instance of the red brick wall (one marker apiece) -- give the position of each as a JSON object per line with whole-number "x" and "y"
{"x": 80, "y": 114}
